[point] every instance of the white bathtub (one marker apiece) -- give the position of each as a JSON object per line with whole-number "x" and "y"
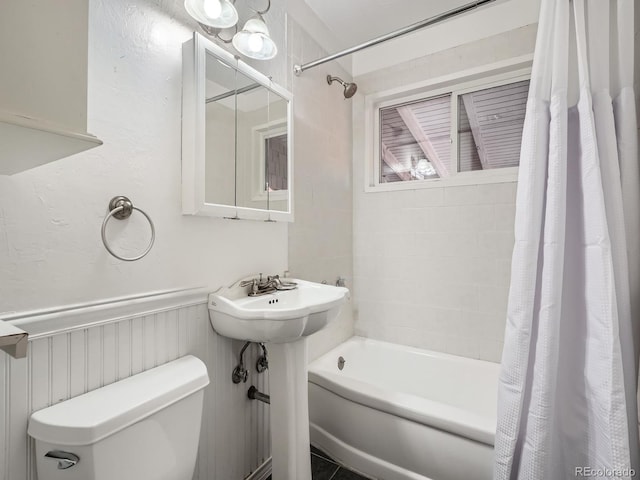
{"x": 398, "y": 413}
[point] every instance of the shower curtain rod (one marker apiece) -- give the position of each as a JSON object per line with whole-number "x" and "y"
{"x": 298, "y": 69}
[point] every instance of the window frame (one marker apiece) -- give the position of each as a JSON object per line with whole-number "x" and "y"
{"x": 455, "y": 86}
{"x": 259, "y": 135}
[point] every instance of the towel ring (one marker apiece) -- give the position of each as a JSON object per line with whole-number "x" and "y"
{"x": 120, "y": 207}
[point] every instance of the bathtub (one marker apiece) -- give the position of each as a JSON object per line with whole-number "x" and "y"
{"x": 400, "y": 413}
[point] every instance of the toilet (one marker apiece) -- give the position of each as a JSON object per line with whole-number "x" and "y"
{"x": 143, "y": 427}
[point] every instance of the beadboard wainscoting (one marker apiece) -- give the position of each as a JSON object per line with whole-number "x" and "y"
{"x": 98, "y": 344}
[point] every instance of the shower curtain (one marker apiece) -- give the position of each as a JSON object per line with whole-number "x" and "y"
{"x": 568, "y": 403}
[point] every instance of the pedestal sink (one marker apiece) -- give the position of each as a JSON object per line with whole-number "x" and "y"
{"x": 283, "y": 319}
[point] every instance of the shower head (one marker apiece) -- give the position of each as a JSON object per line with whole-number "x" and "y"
{"x": 349, "y": 88}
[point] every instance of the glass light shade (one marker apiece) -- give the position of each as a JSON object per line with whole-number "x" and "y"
{"x": 213, "y": 13}
{"x": 254, "y": 41}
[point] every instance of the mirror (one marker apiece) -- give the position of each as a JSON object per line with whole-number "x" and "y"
{"x": 236, "y": 138}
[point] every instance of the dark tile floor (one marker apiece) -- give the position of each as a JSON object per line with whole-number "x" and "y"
{"x": 323, "y": 467}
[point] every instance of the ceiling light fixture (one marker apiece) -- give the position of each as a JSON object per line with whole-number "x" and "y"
{"x": 212, "y": 13}
{"x": 252, "y": 41}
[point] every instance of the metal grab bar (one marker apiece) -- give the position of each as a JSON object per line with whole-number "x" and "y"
{"x": 120, "y": 207}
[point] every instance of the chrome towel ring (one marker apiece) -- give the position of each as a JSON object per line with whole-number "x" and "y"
{"x": 120, "y": 207}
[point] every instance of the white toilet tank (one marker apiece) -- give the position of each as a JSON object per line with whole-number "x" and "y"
{"x": 145, "y": 427}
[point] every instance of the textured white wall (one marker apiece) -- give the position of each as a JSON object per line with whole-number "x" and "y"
{"x": 320, "y": 239}
{"x": 50, "y": 217}
{"x": 44, "y": 79}
{"x": 432, "y": 266}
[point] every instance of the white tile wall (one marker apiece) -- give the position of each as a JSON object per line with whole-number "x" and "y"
{"x": 436, "y": 276}
{"x": 470, "y": 29}
{"x": 432, "y": 266}
{"x": 511, "y": 44}
{"x": 320, "y": 239}
{"x": 235, "y": 431}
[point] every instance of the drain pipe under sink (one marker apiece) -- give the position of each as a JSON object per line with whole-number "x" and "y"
{"x": 254, "y": 394}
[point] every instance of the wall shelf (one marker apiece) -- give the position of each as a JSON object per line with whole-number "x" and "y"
{"x": 26, "y": 143}
{"x": 44, "y": 82}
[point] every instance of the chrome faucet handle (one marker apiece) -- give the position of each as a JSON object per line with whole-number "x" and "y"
{"x": 255, "y": 287}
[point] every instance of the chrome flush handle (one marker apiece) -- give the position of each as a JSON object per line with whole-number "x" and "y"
{"x": 65, "y": 459}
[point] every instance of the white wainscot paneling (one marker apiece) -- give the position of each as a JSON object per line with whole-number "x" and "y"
{"x": 80, "y": 357}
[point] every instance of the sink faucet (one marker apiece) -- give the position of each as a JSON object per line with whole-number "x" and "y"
{"x": 260, "y": 286}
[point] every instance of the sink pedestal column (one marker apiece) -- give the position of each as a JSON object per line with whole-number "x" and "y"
{"x": 289, "y": 407}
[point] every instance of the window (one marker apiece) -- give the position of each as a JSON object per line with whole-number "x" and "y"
{"x": 458, "y": 134}
{"x": 269, "y": 161}
{"x": 414, "y": 140}
{"x": 275, "y": 161}
{"x": 490, "y": 125}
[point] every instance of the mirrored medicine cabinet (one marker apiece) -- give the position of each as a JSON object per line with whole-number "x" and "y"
{"x": 236, "y": 138}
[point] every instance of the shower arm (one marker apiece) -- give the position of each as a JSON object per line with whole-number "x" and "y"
{"x": 298, "y": 69}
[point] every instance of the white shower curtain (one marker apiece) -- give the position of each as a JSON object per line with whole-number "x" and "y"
{"x": 567, "y": 397}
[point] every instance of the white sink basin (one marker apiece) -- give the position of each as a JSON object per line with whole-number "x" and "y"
{"x": 281, "y": 316}
{"x": 283, "y": 319}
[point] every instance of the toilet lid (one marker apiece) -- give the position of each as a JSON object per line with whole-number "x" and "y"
{"x": 89, "y": 418}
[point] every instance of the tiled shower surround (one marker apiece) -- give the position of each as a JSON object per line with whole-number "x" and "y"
{"x": 320, "y": 239}
{"x": 433, "y": 267}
